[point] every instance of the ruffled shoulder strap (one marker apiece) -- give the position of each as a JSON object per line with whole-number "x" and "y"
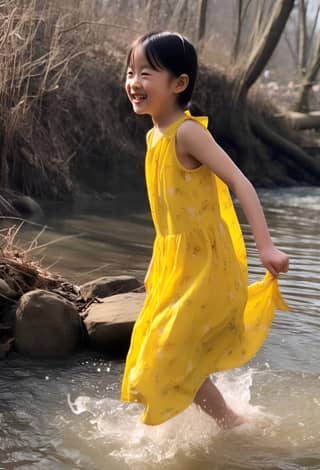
{"x": 172, "y": 129}
{"x": 203, "y": 120}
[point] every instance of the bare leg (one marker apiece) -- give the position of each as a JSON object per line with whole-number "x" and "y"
{"x": 212, "y": 402}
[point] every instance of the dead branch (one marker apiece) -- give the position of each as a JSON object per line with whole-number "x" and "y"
{"x": 302, "y": 121}
{"x": 96, "y": 23}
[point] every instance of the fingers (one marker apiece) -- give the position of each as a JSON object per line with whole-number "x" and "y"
{"x": 279, "y": 267}
{"x": 273, "y": 270}
{"x": 275, "y": 261}
{"x": 284, "y": 265}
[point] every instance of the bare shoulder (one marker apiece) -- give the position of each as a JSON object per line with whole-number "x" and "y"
{"x": 188, "y": 127}
{"x": 190, "y": 135}
{"x": 188, "y": 132}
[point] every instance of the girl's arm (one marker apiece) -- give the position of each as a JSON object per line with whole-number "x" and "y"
{"x": 196, "y": 142}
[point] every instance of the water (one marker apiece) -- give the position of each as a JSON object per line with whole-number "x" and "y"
{"x": 65, "y": 414}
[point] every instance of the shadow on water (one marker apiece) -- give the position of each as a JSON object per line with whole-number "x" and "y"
{"x": 66, "y": 414}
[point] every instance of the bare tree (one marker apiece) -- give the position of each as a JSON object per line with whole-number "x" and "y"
{"x": 260, "y": 55}
{"x": 303, "y": 37}
{"x": 241, "y": 12}
{"x": 202, "y": 13}
{"x": 251, "y": 19}
{"x": 309, "y": 56}
{"x": 152, "y": 13}
{"x": 243, "y": 121}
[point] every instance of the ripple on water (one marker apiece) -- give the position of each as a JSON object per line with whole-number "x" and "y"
{"x": 286, "y": 435}
{"x": 280, "y": 392}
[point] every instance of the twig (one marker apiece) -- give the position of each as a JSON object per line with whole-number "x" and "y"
{"x": 36, "y": 238}
{"x": 15, "y": 233}
{"x": 19, "y": 218}
{"x": 97, "y": 269}
{"x": 53, "y": 264}
{"x": 81, "y": 23}
{"x": 52, "y": 242}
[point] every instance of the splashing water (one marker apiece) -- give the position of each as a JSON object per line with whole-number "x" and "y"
{"x": 190, "y": 432}
{"x": 280, "y": 394}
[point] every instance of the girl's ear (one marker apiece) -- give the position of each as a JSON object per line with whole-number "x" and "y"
{"x": 181, "y": 83}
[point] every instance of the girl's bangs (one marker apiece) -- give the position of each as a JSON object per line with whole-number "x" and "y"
{"x": 152, "y": 56}
{"x": 150, "y": 53}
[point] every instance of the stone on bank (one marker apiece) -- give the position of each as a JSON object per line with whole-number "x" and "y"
{"x": 47, "y": 325}
{"x": 55, "y": 318}
{"x": 109, "y": 285}
{"x": 109, "y": 324}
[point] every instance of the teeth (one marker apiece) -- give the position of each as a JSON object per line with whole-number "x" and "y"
{"x": 138, "y": 97}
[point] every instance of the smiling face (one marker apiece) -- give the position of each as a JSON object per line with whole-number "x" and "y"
{"x": 150, "y": 91}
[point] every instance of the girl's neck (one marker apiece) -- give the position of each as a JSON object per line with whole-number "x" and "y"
{"x": 169, "y": 117}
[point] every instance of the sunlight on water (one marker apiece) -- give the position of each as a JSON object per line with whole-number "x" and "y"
{"x": 136, "y": 444}
{"x": 65, "y": 415}
{"x": 291, "y": 429}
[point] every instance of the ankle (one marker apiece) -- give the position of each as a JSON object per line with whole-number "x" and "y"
{"x": 230, "y": 420}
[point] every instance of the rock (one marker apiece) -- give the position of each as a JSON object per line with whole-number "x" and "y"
{"x": 109, "y": 285}
{"x": 25, "y": 205}
{"x": 47, "y": 325}
{"x": 109, "y": 324}
{"x": 6, "y": 290}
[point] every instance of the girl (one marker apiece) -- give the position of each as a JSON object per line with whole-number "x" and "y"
{"x": 199, "y": 316}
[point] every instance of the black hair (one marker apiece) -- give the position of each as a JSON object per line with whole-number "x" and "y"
{"x": 170, "y": 51}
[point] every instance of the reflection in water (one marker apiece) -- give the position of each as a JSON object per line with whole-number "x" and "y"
{"x": 278, "y": 390}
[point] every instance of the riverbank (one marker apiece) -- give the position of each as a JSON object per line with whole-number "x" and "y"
{"x": 69, "y": 129}
{"x": 44, "y": 315}
{"x": 39, "y": 429}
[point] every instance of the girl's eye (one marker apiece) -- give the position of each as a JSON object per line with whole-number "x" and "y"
{"x": 145, "y": 74}
{"x": 129, "y": 73}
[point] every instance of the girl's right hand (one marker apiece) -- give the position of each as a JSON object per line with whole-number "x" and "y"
{"x": 274, "y": 260}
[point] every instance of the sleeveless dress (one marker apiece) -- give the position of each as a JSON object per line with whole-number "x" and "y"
{"x": 199, "y": 315}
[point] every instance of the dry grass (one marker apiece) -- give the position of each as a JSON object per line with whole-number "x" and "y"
{"x": 22, "y": 270}
{"x": 59, "y": 65}
{"x": 64, "y": 118}
{"x": 65, "y": 123}
{"x": 35, "y": 58}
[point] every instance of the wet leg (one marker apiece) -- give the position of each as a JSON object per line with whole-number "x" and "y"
{"x": 212, "y": 402}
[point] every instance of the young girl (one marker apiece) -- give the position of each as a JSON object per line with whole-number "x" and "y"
{"x": 199, "y": 315}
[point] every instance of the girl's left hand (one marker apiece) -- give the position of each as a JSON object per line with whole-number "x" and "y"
{"x": 274, "y": 260}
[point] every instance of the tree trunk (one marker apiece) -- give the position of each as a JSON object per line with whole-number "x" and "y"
{"x": 302, "y": 101}
{"x": 152, "y": 14}
{"x": 237, "y": 39}
{"x": 263, "y": 51}
{"x": 302, "y": 121}
{"x": 287, "y": 149}
{"x": 302, "y": 38}
{"x": 179, "y": 16}
{"x": 203, "y": 5}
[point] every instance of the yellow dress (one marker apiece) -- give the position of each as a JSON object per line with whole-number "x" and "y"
{"x": 199, "y": 315}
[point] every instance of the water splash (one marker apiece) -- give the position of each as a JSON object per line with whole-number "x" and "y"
{"x": 190, "y": 432}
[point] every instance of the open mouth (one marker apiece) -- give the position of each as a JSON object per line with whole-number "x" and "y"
{"x": 138, "y": 98}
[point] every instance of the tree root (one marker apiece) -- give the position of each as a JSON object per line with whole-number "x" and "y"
{"x": 299, "y": 159}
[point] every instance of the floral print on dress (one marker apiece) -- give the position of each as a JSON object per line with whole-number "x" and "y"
{"x": 199, "y": 316}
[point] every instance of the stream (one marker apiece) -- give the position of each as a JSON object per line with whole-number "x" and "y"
{"x": 66, "y": 414}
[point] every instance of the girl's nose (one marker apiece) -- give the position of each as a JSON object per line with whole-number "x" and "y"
{"x": 135, "y": 81}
